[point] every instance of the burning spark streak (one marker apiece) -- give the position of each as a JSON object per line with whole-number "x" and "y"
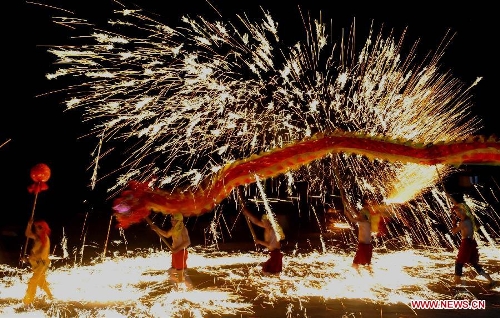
{"x": 203, "y": 86}
{"x": 232, "y": 283}
{"x": 192, "y": 99}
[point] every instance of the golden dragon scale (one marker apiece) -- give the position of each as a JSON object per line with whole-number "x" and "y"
{"x": 137, "y": 201}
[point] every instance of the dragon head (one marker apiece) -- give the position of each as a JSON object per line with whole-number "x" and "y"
{"x": 131, "y": 206}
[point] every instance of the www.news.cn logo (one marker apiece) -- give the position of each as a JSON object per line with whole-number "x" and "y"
{"x": 448, "y": 304}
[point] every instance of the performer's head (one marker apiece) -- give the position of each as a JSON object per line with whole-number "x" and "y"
{"x": 177, "y": 217}
{"x": 461, "y": 210}
{"x": 42, "y": 230}
{"x": 41, "y": 227}
{"x": 176, "y": 222}
{"x": 366, "y": 200}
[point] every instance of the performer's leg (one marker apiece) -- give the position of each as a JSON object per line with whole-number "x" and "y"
{"x": 479, "y": 269}
{"x": 32, "y": 285}
{"x": 458, "y": 273}
{"x": 172, "y": 273}
{"x": 44, "y": 285}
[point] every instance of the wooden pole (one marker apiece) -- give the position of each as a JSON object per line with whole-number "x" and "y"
{"x": 346, "y": 205}
{"x": 32, "y": 216}
{"x": 161, "y": 237}
{"x": 449, "y": 199}
{"x": 249, "y": 223}
{"x": 107, "y": 238}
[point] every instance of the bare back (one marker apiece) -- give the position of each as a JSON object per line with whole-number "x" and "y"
{"x": 364, "y": 232}
{"x": 466, "y": 230}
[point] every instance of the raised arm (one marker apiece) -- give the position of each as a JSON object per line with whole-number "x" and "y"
{"x": 246, "y": 212}
{"x": 29, "y": 230}
{"x": 161, "y": 232}
{"x": 252, "y": 217}
{"x": 239, "y": 194}
{"x": 347, "y": 212}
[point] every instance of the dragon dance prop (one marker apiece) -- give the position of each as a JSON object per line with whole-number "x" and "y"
{"x": 139, "y": 199}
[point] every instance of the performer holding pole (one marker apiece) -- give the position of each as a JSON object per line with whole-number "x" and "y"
{"x": 272, "y": 237}
{"x": 40, "y": 174}
{"x": 180, "y": 242}
{"x": 39, "y": 232}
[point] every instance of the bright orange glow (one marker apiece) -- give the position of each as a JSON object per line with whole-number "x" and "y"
{"x": 232, "y": 283}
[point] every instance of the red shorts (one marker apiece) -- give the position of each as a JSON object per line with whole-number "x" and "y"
{"x": 363, "y": 254}
{"x": 468, "y": 252}
{"x": 275, "y": 262}
{"x": 179, "y": 259}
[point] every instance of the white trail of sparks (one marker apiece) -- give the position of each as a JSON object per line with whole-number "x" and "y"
{"x": 190, "y": 99}
{"x": 231, "y": 283}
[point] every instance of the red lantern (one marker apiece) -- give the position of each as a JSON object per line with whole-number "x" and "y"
{"x": 40, "y": 173}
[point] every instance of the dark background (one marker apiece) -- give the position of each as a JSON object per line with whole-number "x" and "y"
{"x": 36, "y": 127}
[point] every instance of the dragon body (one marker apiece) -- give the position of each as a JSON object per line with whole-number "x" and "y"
{"x": 137, "y": 201}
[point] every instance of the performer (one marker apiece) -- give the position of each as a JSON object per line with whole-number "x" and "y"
{"x": 271, "y": 241}
{"x": 468, "y": 252}
{"x": 180, "y": 242}
{"x": 362, "y": 218}
{"x": 38, "y": 259}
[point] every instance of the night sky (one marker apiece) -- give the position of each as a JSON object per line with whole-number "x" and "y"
{"x": 38, "y": 129}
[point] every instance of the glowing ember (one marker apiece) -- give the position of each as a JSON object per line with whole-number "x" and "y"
{"x": 233, "y": 284}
